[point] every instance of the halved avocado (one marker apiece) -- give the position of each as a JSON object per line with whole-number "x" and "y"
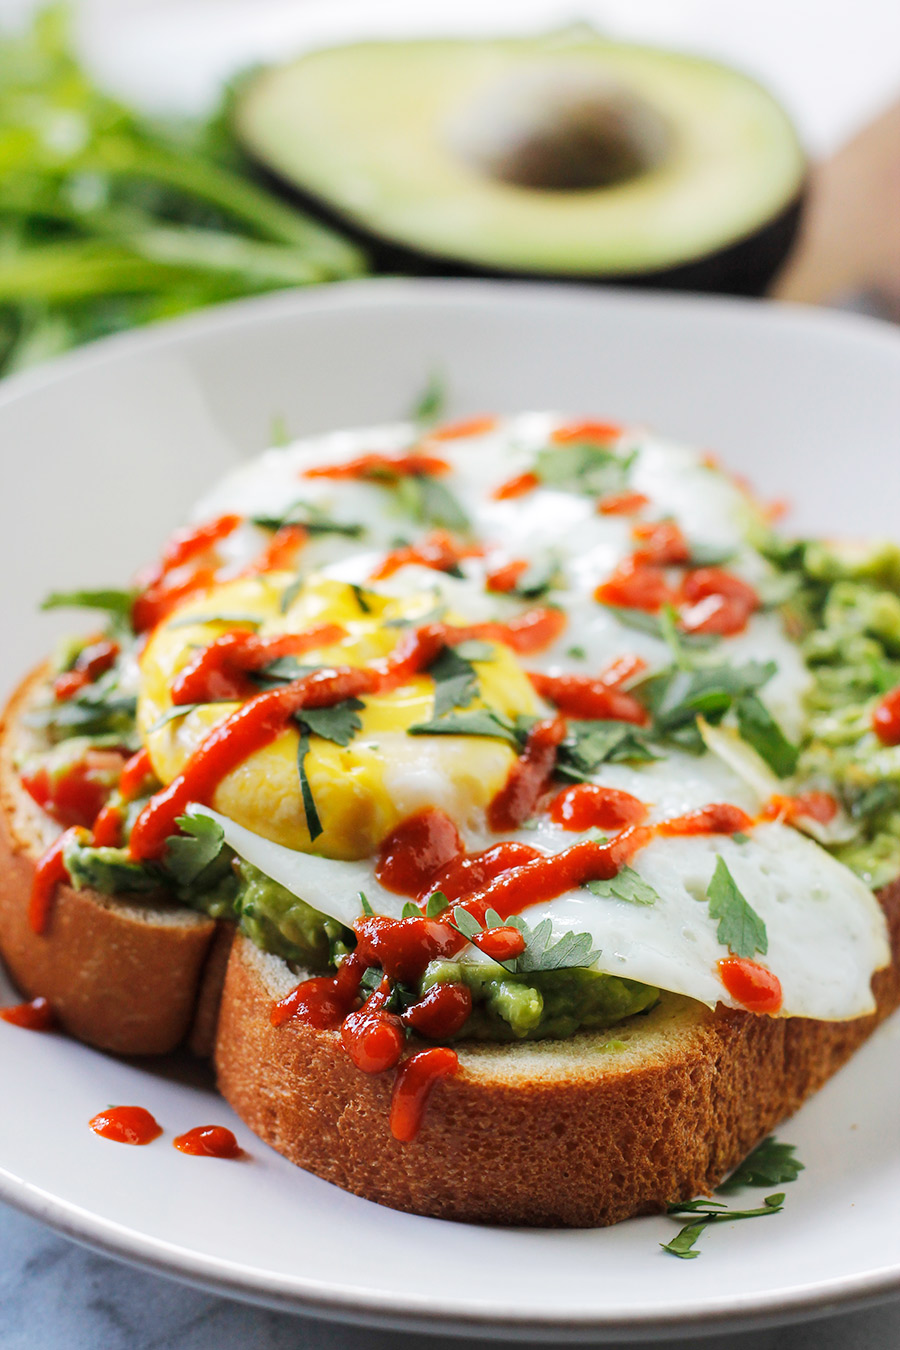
{"x": 569, "y": 157}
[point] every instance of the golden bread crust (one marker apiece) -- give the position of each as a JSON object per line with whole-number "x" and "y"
{"x": 121, "y": 975}
{"x": 545, "y": 1134}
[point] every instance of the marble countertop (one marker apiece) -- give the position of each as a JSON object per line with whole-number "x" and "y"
{"x": 59, "y": 1296}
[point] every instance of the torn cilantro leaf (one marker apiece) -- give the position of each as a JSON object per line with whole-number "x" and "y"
{"x": 188, "y": 854}
{"x": 709, "y": 1212}
{"x": 313, "y": 823}
{"x": 283, "y": 671}
{"x": 117, "y": 603}
{"x": 675, "y": 697}
{"x": 656, "y": 625}
{"x": 360, "y": 597}
{"x": 430, "y": 404}
{"x": 313, "y": 519}
{"x": 572, "y": 949}
{"x": 410, "y": 911}
{"x": 740, "y": 928}
{"x": 582, "y": 467}
{"x": 626, "y": 885}
{"x": 770, "y": 1163}
{"x": 244, "y": 620}
{"x": 437, "y": 903}
{"x": 339, "y": 723}
{"x": 431, "y": 502}
{"x": 542, "y": 575}
{"x": 759, "y": 729}
{"x": 587, "y": 745}
{"x": 455, "y": 681}
{"x": 181, "y": 710}
{"x": 476, "y": 722}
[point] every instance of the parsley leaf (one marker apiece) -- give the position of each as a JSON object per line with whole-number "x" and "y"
{"x": 740, "y": 928}
{"x": 339, "y": 723}
{"x": 626, "y": 885}
{"x": 455, "y": 681}
{"x": 580, "y": 467}
{"x": 768, "y": 1164}
{"x": 313, "y": 823}
{"x": 188, "y": 854}
{"x": 477, "y": 722}
{"x": 759, "y": 729}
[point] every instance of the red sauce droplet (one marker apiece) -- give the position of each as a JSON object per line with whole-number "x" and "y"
{"x": 503, "y": 579}
{"x": 441, "y": 1012}
{"x": 886, "y": 718}
{"x": 126, "y": 1125}
{"x": 384, "y": 468}
{"x": 599, "y": 433}
{"x": 718, "y": 602}
{"x": 135, "y": 774}
{"x": 209, "y": 1141}
{"x": 403, "y": 947}
{"x": 179, "y": 572}
{"x": 316, "y": 1002}
{"x": 454, "y": 431}
{"x": 751, "y": 985}
{"x": 662, "y": 544}
{"x": 91, "y": 662}
{"x": 413, "y": 1085}
{"x": 520, "y": 486}
{"x": 414, "y": 852}
{"x": 373, "y": 1039}
{"x": 586, "y": 806}
{"x": 622, "y": 504}
{"x": 280, "y": 553}
{"x": 717, "y": 818}
{"x": 636, "y": 585}
{"x": 440, "y": 551}
{"x": 107, "y": 828}
{"x": 75, "y": 793}
{"x": 820, "y": 806}
{"x": 585, "y": 697}
{"x": 528, "y": 778}
{"x": 34, "y": 1016}
{"x": 504, "y": 942}
{"x": 473, "y": 872}
{"x": 548, "y": 875}
{"x": 221, "y": 670}
{"x": 49, "y": 872}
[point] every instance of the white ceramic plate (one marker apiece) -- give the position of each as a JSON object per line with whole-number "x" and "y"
{"x": 101, "y": 453}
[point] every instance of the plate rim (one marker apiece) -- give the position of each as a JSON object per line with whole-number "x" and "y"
{"x": 338, "y": 1301}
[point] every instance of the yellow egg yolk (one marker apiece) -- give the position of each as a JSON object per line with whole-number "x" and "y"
{"x": 363, "y": 790}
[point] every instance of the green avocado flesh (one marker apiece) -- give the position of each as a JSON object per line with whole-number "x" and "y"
{"x": 562, "y": 156}
{"x": 553, "y": 1003}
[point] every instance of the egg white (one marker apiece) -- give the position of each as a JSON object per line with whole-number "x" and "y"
{"x": 826, "y": 932}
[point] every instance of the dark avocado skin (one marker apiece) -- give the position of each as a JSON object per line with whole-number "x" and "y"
{"x": 746, "y": 267}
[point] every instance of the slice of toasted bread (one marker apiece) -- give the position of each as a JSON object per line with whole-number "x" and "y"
{"x": 120, "y": 972}
{"x": 579, "y": 1132}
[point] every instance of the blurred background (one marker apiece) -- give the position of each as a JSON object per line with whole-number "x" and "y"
{"x": 157, "y": 156}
